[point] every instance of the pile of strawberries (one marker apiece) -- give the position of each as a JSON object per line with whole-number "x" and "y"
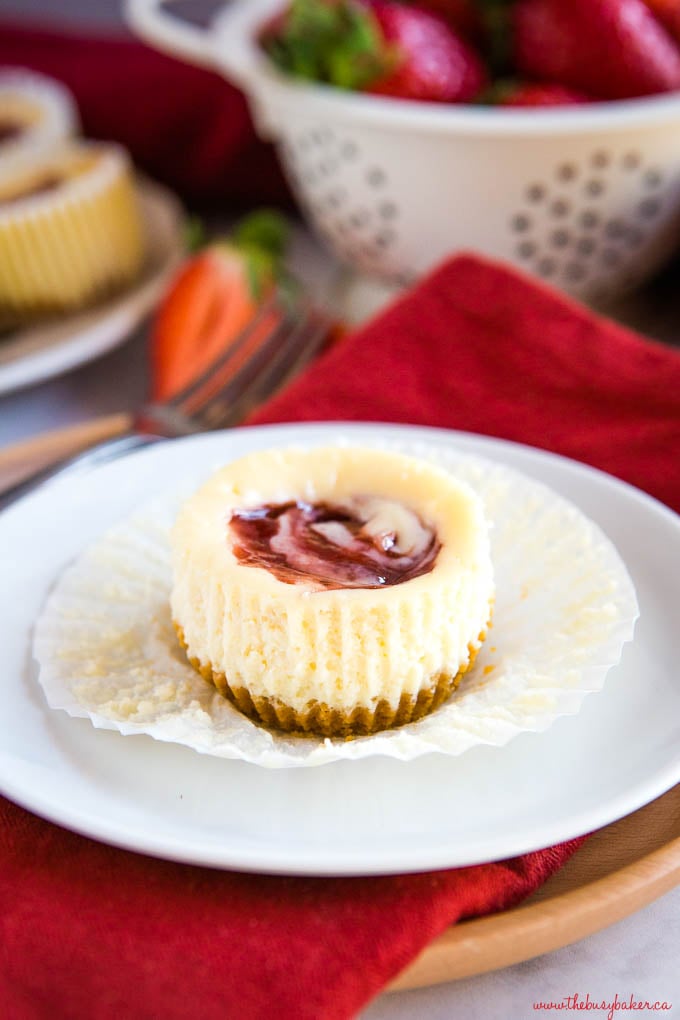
{"x": 507, "y": 52}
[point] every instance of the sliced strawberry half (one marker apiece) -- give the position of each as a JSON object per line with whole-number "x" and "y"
{"x": 212, "y": 299}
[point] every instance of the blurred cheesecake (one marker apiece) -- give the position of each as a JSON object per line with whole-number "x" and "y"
{"x": 36, "y": 113}
{"x": 335, "y": 591}
{"x": 70, "y": 230}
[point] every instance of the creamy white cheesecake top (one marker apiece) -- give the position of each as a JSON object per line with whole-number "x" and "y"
{"x": 335, "y": 522}
{"x": 263, "y": 597}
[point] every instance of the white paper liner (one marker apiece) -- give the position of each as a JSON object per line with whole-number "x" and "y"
{"x": 565, "y": 606}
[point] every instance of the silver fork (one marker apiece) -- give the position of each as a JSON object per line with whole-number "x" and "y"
{"x": 284, "y": 335}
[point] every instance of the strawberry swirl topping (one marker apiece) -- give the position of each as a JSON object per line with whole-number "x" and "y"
{"x": 365, "y": 542}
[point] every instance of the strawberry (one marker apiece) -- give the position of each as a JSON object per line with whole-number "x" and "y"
{"x": 334, "y": 41}
{"x": 463, "y": 16}
{"x": 433, "y": 62}
{"x": 668, "y": 13}
{"x": 612, "y": 49}
{"x": 214, "y": 296}
{"x": 377, "y": 46}
{"x": 536, "y": 93}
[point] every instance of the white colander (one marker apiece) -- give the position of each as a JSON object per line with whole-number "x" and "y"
{"x": 586, "y": 197}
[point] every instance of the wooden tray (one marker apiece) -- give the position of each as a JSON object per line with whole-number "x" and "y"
{"x": 619, "y": 870}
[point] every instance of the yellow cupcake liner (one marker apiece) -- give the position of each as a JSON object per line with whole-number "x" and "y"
{"x": 69, "y": 246}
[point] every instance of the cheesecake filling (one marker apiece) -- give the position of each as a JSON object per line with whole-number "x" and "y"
{"x": 49, "y": 182}
{"x": 365, "y": 542}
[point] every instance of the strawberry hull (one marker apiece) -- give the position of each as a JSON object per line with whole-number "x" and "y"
{"x": 377, "y": 46}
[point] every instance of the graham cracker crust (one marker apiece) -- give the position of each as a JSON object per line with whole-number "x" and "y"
{"x": 320, "y": 719}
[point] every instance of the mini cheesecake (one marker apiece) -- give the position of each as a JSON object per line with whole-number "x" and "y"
{"x": 70, "y": 230}
{"x": 334, "y": 591}
{"x": 36, "y": 113}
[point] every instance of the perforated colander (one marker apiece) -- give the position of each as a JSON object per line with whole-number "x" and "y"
{"x": 586, "y": 197}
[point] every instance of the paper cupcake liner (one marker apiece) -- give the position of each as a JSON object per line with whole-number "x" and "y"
{"x": 67, "y": 247}
{"x": 565, "y": 606}
{"x": 321, "y": 719}
{"x": 49, "y": 110}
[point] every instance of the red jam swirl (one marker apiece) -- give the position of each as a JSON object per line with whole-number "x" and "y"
{"x": 10, "y": 130}
{"x": 334, "y": 546}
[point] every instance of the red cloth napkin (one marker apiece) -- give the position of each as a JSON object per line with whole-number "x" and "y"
{"x": 88, "y": 930}
{"x": 183, "y": 125}
{"x": 486, "y": 349}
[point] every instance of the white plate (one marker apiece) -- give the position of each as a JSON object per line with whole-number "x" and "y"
{"x": 40, "y": 352}
{"x": 366, "y": 817}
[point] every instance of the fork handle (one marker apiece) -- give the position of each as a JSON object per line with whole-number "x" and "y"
{"x": 29, "y": 457}
{"x": 95, "y": 456}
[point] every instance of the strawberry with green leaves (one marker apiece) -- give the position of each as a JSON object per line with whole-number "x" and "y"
{"x": 214, "y": 296}
{"x": 611, "y": 49}
{"x": 333, "y": 41}
{"x": 378, "y": 46}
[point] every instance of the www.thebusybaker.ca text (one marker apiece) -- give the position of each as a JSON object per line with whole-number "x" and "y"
{"x": 608, "y": 1006}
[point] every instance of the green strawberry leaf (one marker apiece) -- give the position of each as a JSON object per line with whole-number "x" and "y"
{"x": 267, "y": 229}
{"x": 195, "y": 235}
{"x": 498, "y": 91}
{"x": 261, "y": 239}
{"x": 333, "y": 41}
{"x": 261, "y": 266}
{"x": 497, "y": 29}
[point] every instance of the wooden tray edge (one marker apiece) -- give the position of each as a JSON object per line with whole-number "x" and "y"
{"x": 491, "y": 943}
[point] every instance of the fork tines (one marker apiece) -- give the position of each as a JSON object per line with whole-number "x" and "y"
{"x": 284, "y": 335}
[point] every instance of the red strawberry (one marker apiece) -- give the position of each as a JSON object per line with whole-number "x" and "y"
{"x": 540, "y": 94}
{"x": 612, "y": 49}
{"x": 211, "y": 300}
{"x": 463, "y": 16}
{"x": 377, "y": 46}
{"x": 668, "y": 13}
{"x": 432, "y": 61}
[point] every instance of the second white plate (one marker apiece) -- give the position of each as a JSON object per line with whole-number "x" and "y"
{"x": 366, "y": 817}
{"x": 50, "y": 348}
